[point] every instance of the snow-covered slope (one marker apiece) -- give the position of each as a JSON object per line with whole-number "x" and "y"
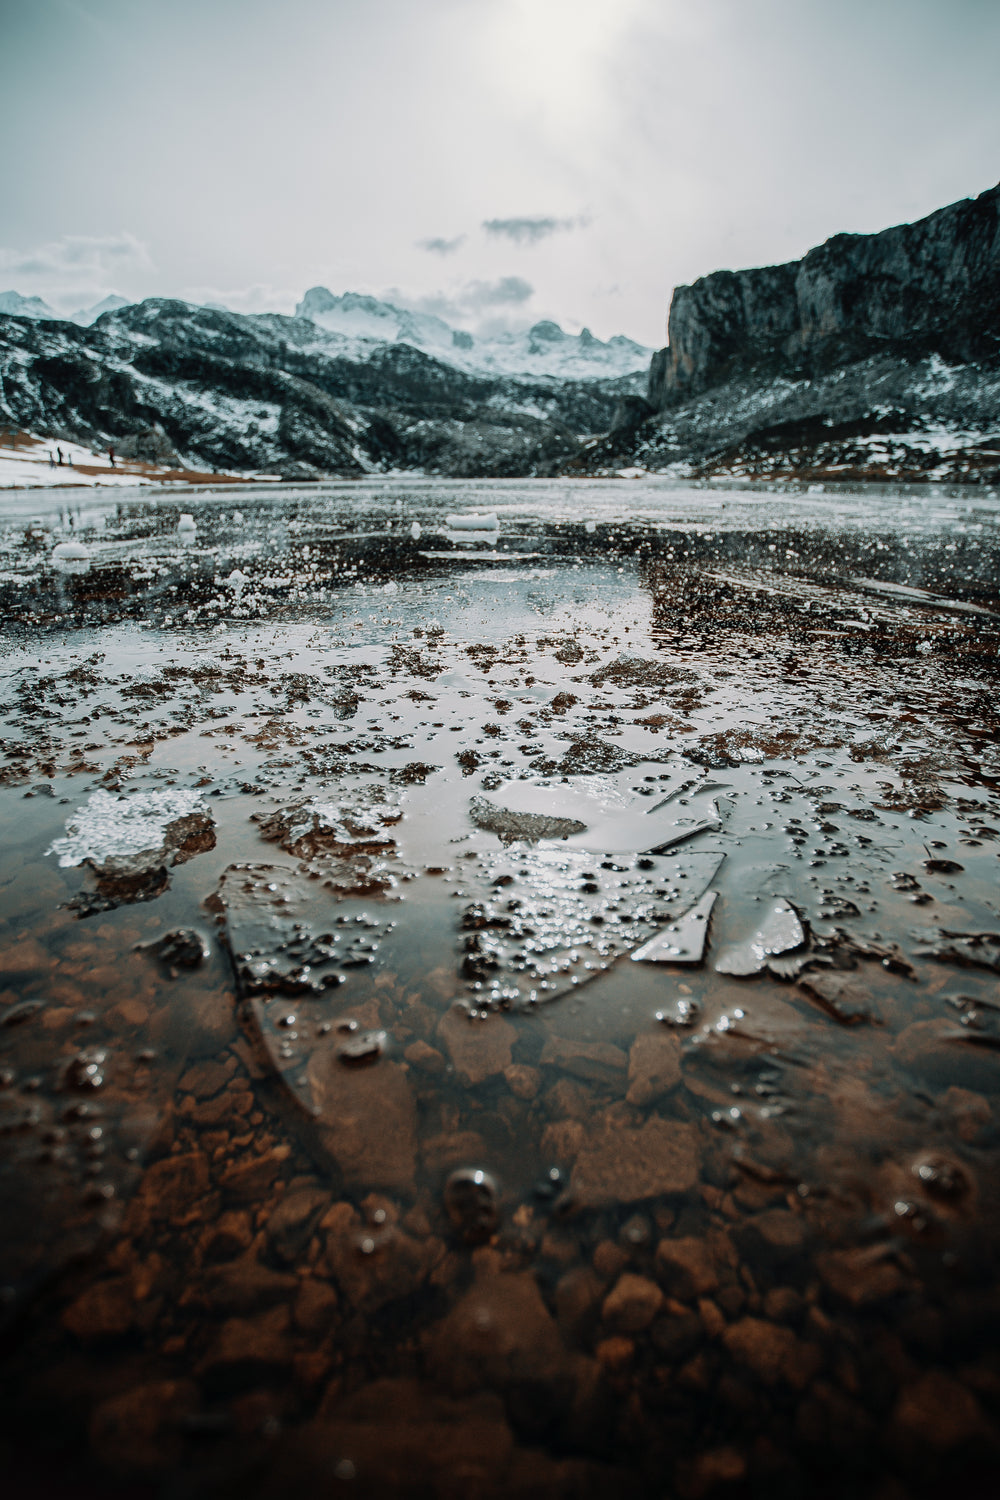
{"x": 544, "y": 350}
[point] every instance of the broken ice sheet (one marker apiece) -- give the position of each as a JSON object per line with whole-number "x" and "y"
{"x": 130, "y": 843}
{"x": 545, "y": 921}
{"x": 780, "y": 932}
{"x": 291, "y": 950}
{"x": 284, "y": 934}
{"x": 584, "y": 820}
{"x": 682, "y": 941}
{"x": 111, "y": 828}
{"x": 348, "y": 844}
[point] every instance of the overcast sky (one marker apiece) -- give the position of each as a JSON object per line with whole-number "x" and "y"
{"x": 487, "y": 159}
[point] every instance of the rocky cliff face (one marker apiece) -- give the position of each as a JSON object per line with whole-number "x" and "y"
{"x": 913, "y": 291}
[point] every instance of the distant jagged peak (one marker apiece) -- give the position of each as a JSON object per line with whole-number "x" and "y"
{"x": 87, "y": 315}
{"x": 14, "y": 305}
{"x": 544, "y": 349}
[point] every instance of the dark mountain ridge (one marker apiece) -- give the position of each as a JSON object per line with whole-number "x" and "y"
{"x": 163, "y": 378}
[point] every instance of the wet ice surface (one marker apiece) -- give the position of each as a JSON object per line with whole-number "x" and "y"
{"x": 539, "y": 983}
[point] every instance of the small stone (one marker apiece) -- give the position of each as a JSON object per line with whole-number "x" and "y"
{"x": 771, "y": 1352}
{"x": 472, "y": 1203}
{"x": 499, "y": 1334}
{"x": 715, "y": 1471}
{"x": 616, "y": 1353}
{"x": 315, "y": 1307}
{"x": 783, "y": 1304}
{"x": 206, "y": 1079}
{"x": 632, "y": 1304}
{"x": 523, "y": 1081}
{"x": 861, "y": 1276}
{"x": 654, "y": 1066}
{"x": 478, "y": 1049}
{"x": 711, "y": 1316}
{"x": 104, "y": 1311}
{"x": 601, "y": 1062}
{"x": 174, "y": 1188}
{"x": 251, "y": 1180}
{"x": 256, "y": 1344}
{"x": 291, "y": 1224}
{"x": 422, "y": 1055}
{"x": 577, "y": 1298}
{"x": 970, "y": 1111}
{"x": 936, "y": 1411}
{"x": 621, "y": 1164}
{"x": 230, "y": 1235}
{"x": 688, "y": 1265}
{"x": 610, "y": 1259}
{"x": 779, "y": 1228}
{"x": 139, "y": 1431}
{"x": 367, "y": 1121}
{"x": 245, "y": 1286}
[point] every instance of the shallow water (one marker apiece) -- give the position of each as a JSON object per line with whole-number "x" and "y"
{"x": 728, "y": 1222}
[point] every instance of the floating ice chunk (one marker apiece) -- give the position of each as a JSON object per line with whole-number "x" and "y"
{"x": 391, "y": 587}
{"x": 415, "y": 531}
{"x": 70, "y": 552}
{"x": 780, "y": 932}
{"x": 186, "y": 528}
{"x": 111, "y": 827}
{"x": 590, "y": 527}
{"x": 237, "y": 518}
{"x": 683, "y": 941}
{"x": 473, "y": 521}
{"x": 237, "y": 581}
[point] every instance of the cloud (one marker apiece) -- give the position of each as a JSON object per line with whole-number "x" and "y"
{"x": 438, "y": 246}
{"x": 470, "y": 300}
{"x": 528, "y": 231}
{"x": 507, "y": 291}
{"x": 78, "y": 269}
{"x": 79, "y": 256}
{"x": 259, "y": 297}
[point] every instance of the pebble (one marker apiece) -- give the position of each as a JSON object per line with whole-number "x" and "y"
{"x": 654, "y": 1066}
{"x": 632, "y": 1304}
{"x": 472, "y": 1203}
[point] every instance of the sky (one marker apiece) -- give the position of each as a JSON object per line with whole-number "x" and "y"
{"x": 494, "y": 161}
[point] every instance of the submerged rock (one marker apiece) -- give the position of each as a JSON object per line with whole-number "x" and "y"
{"x": 621, "y": 1163}
{"x": 472, "y": 1203}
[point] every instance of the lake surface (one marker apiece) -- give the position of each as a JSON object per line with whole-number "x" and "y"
{"x": 500, "y": 1012}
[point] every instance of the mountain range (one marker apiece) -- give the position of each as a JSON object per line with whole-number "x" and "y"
{"x": 872, "y": 357}
{"x": 179, "y": 384}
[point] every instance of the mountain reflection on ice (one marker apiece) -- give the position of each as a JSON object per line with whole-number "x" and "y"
{"x": 344, "y": 1141}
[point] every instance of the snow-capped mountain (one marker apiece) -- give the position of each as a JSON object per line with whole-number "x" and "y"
{"x": 25, "y": 307}
{"x": 35, "y": 307}
{"x": 545, "y": 350}
{"x": 87, "y": 315}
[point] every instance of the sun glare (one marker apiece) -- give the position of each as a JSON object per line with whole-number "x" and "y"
{"x": 550, "y": 56}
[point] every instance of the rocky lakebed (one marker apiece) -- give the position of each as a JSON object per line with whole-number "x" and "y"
{"x": 499, "y": 991}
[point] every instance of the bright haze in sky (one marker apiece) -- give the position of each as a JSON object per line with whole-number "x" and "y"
{"x": 496, "y": 161}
